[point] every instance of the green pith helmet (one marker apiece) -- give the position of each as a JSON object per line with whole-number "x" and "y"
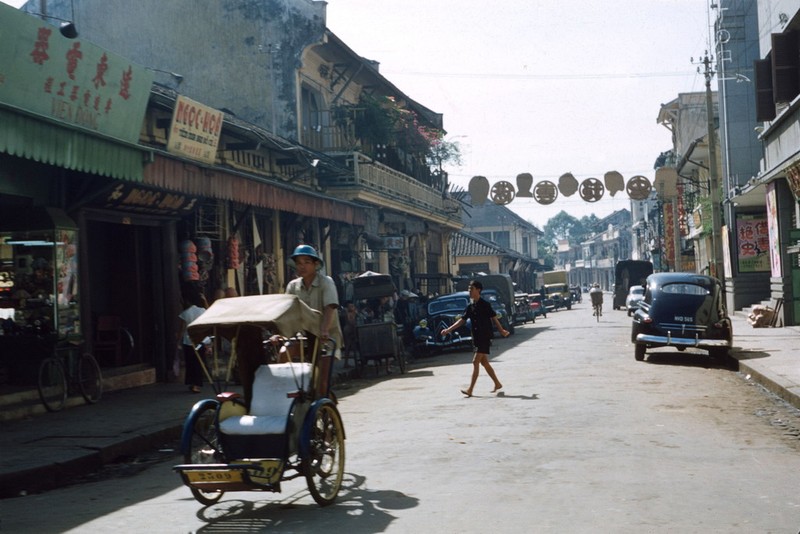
{"x": 307, "y": 250}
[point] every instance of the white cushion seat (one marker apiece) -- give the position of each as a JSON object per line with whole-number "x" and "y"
{"x": 270, "y": 406}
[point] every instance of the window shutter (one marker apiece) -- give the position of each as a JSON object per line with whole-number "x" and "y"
{"x": 785, "y": 72}
{"x": 765, "y": 105}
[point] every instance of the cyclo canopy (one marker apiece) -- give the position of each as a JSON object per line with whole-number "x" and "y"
{"x": 281, "y": 314}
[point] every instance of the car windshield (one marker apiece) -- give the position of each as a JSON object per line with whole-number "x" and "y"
{"x": 637, "y": 290}
{"x": 451, "y": 304}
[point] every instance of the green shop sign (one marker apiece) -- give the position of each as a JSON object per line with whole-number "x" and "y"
{"x": 71, "y": 81}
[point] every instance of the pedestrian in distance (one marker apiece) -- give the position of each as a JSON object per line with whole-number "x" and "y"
{"x": 482, "y": 315}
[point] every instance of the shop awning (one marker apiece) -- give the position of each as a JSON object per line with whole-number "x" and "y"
{"x": 190, "y": 179}
{"x": 29, "y": 137}
{"x": 34, "y": 218}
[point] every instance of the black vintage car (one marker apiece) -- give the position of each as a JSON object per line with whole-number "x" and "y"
{"x": 441, "y": 313}
{"x": 503, "y": 315}
{"x": 682, "y": 310}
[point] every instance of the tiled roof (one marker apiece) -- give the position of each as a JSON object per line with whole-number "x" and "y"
{"x": 492, "y": 215}
{"x": 467, "y": 244}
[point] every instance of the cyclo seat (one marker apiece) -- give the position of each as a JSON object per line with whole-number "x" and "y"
{"x": 263, "y": 431}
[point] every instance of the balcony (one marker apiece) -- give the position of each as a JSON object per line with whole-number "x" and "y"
{"x": 378, "y": 184}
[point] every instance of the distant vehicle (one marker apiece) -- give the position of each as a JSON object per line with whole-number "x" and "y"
{"x": 577, "y": 297}
{"x": 502, "y": 284}
{"x": 493, "y": 297}
{"x": 522, "y": 309}
{"x": 629, "y": 273}
{"x": 540, "y": 305}
{"x": 442, "y": 312}
{"x": 556, "y": 285}
{"x": 682, "y": 310}
{"x": 635, "y": 295}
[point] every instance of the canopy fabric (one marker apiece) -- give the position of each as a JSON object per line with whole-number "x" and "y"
{"x": 282, "y": 314}
{"x": 53, "y": 144}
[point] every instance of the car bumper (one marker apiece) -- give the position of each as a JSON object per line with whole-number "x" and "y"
{"x": 671, "y": 341}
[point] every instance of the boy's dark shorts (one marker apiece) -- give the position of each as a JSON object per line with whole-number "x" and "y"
{"x": 482, "y": 346}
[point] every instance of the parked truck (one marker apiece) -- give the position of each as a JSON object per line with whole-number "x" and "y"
{"x": 556, "y": 287}
{"x": 628, "y": 273}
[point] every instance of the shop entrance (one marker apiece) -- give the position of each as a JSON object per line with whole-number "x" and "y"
{"x": 126, "y": 291}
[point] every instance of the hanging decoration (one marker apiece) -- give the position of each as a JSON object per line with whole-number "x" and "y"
{"x": 189, "y": 270}
{"x": 546, "y": 192}
{"x": 233, "y": 252}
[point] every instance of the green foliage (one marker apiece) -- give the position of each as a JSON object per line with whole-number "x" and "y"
{"x": 444, "y": 152}
{"x": 379, "y": 120}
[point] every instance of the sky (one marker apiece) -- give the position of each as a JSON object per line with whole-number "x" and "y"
{"x": 543, "y": 87}
{"x": 538, "y": 86}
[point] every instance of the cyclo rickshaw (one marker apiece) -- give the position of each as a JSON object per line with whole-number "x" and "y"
{"x": 378, "y": 336}
{"x": 292, "y": 428}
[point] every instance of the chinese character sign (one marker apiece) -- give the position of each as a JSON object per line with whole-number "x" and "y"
{"x": 69, "y": 80}
{"x": 752, "y": 240}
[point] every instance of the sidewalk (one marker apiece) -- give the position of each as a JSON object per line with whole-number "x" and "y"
{"x": 53, "y": 449}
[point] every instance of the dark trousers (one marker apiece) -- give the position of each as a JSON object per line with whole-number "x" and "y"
{"x": 194, "y": 371}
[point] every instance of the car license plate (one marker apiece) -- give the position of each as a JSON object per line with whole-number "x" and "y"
{"x": 214, "y": 476}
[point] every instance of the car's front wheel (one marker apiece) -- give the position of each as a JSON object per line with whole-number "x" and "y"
{"x": 639, "y": 352}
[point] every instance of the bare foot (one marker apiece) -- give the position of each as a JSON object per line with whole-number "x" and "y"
{"x": 467, "y": 393}
{"x": 497, "y": 387}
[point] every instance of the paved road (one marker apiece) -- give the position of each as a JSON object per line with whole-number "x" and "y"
{"x": 581, "y": 439}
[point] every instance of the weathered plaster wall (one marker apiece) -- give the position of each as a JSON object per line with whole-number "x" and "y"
{"x": 237, "y": 55}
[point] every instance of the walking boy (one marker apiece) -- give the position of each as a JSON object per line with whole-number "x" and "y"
{"x": 482, "y": 315}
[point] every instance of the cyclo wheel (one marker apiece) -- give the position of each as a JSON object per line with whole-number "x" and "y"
{"x": 204, "y": 448}
{"x": 90, "y": 378}
{"x": 323, "y": 466}
{"x": 52, "y": 384}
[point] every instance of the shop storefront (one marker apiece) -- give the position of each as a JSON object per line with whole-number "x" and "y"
{"x": 70, "y": 117}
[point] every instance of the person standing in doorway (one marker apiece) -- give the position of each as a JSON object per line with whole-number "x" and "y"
{"x": 193, "y": 307}
{"x": 482, "y": 315}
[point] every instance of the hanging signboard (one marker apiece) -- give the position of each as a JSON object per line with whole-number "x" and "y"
{"x": 195, "y": 130}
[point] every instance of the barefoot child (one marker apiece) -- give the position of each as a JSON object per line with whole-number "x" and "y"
{"x": 482, "y": 316}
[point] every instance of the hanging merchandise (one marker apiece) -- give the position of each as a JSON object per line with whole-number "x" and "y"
{"x": 189, "y": 269}
{"x": 204, "y": 252}
{"x": 233, "y": 252}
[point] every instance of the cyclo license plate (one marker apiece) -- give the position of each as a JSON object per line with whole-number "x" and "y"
{"x": 214, "y": 476}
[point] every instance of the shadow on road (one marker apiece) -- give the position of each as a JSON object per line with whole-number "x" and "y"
{"x": 504, "y": 395}
{"x": 357, "y": 510}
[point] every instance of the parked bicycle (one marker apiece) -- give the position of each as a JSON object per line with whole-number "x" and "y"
{"x": 69, "y": 370}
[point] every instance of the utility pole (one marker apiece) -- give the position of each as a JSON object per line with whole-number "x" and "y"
{"x": 713, "y": 177}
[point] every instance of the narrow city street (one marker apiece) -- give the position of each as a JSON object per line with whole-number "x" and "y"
{"x": 582, "y": 438}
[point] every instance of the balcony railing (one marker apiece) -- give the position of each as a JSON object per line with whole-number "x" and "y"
{"x": 372, "y": 176}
